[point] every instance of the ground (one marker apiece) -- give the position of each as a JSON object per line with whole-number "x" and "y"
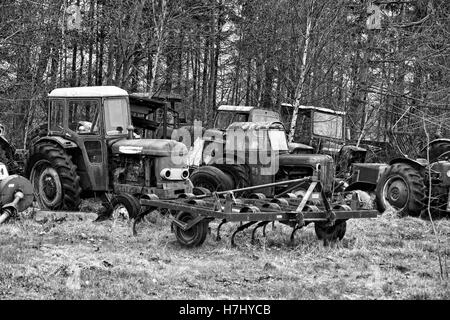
{"x": 64, "y": 256}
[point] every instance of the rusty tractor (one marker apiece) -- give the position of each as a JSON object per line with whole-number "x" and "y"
{"x": 410, "y": 185}
{"x": 88, "y": 147}
{"x": 237, "y": 154}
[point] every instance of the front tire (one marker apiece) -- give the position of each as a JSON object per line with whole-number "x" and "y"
{"x": 54, "y": 178}
{"x": 126, "y": 206}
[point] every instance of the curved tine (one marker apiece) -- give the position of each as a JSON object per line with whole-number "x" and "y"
{"x": 139, "y": 217}
{"x": 218, "y": 229}
{"x": 261, "y": 224}
{"x": 264, "y": 230}
{"x": 239, "y": 229}
{"x": 296, "y": 228}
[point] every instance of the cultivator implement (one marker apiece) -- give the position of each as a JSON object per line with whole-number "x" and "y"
{"x": 191, "y": 214}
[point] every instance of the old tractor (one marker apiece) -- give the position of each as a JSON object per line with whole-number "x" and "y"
{"x": 407, "y": 184}
{"x": 248, "y": 147}
{"x": 89, "y": 148}
{"x": 326, "y": 132}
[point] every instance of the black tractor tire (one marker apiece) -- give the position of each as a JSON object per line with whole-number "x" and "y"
{"x": 330, "y": 233}
{"x": 436, "y": 150}
{"x": 129, "y": 202}
{"x": 193, "y": 237}
{"x": 239, "y": 173}
{"x": 54, "y": 178}
{"x": 402, "y": 186}
{"x": 211, "y": 178}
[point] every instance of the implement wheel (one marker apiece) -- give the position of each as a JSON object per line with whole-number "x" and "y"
{"x": 125, "y": 206}
{"x": 330, "y": 233}
{"x": 193, "y": 237}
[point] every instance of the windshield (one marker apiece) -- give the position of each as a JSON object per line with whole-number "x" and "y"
{"x": 225, "y": 118}
{"x": 83, "y": 116}
{"x": 327, "y": 125}
{"x": 116, "y": 116}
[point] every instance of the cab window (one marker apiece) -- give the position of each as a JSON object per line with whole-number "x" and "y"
{"x": 56, "y": 115}
{"x": 83, "y": 116}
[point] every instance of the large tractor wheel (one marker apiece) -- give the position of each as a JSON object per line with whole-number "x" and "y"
{"x": 54, "y": 178}
{"x": 212, "y": 179}
{"x": 403, "y": 188}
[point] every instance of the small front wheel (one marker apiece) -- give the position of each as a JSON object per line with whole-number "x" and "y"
{"x": 125, "y": 206}
{"x": 194, "y": 236}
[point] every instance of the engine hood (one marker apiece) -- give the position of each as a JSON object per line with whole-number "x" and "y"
{"x": 295, "y": 145}
{"x": 305, "y": 159}
{"x": 152, "y": 147}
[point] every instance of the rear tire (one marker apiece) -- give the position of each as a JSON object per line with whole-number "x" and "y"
{"x": 403, "y": 188}
{"x": 54, "y": 178}
{"x": 212, "y": 179}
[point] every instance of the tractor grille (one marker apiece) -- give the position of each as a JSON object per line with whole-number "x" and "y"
{"x": 327, "y": 174}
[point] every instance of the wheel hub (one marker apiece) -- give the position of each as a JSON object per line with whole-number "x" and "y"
{"x": 49, "y": 187}
{"x": 397, "y": 193}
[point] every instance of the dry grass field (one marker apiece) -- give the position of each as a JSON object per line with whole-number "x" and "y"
{"x": 71, "y": 257}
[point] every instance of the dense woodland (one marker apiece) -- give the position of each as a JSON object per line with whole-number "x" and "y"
{"x": 390, "y": 80}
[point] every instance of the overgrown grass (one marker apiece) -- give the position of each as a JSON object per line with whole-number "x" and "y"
{"x": 382, "y": 258}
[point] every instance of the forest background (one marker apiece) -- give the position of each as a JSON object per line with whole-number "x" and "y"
{"x": 391, "y": 78}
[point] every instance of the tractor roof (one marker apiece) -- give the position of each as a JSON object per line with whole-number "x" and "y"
{"x": 235, "y": 108}
{"x": 247, "y": 126}
{"x": 315, "y": 108}
{"x": 98, "y": 91}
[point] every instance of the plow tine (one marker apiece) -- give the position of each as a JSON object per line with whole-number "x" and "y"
{"x": 296, "y": 228}
{"x": 218, "y": 229}
{"x": 139, "y": 217}
{"x": 261, "y": 224}
{"x": 264, "y": 230}
{"x": 239, "y": 229}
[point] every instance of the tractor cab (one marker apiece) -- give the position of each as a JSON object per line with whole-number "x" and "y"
{"x": 321, "y": 128}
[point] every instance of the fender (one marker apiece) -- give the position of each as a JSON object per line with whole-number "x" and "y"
{"x": 413, "y": 163}
{"x": 63, "y": 143}
{"x": 360, "y": 185}
{"x": 231, "y": 159}
{"x": 433, "y": 143}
